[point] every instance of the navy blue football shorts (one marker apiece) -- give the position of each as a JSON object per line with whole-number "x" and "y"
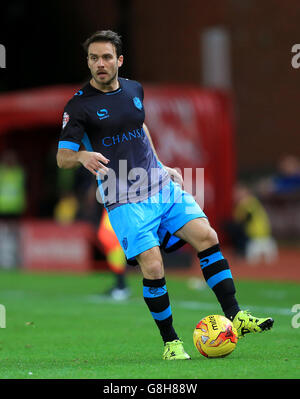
{"x": 152, "y": 222}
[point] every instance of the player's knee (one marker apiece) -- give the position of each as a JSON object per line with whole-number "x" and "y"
{"x": 153, "y": 270}
{"x": 209, "y": 236}
{"x": 212, "y": 236}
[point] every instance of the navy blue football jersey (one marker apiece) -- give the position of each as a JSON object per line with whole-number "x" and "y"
{"x": 112, "y": 123}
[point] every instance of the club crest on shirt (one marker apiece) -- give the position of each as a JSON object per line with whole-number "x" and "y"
{"x": 66, "y": 118}
{"x": 138, "y": 103}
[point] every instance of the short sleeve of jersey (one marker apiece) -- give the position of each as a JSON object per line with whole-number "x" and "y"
{"x": 73, "y": 127}
{"x": 142, "y": 91}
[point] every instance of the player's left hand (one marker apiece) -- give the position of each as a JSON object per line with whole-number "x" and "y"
{"x": 175, "y": 175}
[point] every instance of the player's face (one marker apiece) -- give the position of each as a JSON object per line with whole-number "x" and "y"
{"x": 104, "y": 64}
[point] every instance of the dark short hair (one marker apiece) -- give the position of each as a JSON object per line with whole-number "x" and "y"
{"x": 105, "y": 36}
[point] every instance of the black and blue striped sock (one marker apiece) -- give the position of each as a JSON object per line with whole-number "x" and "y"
{"x": 218, "y": 276}
{"x": 157, "y": 299}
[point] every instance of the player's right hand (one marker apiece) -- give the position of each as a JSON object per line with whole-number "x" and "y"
{"x": 93, "y": 161}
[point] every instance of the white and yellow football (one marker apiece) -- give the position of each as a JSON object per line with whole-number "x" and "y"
{"x": 215, "y": 336}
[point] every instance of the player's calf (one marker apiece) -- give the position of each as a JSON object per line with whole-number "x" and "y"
{"x": 217, "y": 274}
{"x": 157, "y": 299}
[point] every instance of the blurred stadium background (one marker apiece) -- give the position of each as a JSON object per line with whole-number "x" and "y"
{"x": 220, "y": 94}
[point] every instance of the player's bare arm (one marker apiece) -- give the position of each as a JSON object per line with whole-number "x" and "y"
{"x": 174, "y": 174}
{"x": 93, "y": 161}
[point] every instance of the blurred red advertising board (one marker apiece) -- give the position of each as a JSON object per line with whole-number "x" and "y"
{"x": 192, "y": 129}
{"x": 46, "y": 245}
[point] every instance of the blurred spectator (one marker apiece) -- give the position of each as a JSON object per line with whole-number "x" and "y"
{"x": 12, "y": 186}
{"x": 85, "y": 187}
{"x": 66, "y": 209}
{"x": 281, "y": 197}
{"x": 250, "y": 229}
{"x": 286, "y": 181}
{"x": 91, "y": 211}
{"x": 115, "y": 258}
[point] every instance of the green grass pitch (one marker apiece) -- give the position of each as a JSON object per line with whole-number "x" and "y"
{"x": 57, "y": 327}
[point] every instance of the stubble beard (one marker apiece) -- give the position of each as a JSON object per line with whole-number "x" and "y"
{"x": 108, "y": 84}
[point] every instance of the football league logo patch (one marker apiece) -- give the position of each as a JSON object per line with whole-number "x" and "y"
{"x": 66, "y": 118}
{"x": 138, "y": 103}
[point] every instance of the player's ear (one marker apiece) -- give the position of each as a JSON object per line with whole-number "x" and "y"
{"x": 120, "y": 61}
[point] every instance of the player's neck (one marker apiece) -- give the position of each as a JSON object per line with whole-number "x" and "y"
{"x": 112, "y": 86}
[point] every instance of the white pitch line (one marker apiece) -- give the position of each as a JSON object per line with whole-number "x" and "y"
{"x": 189, "y": 305}
{"x": 194, "y": 305}
{"x": 209, "y": 305}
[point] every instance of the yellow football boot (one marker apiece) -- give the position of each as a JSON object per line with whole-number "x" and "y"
{"x": 245, "y": 323}
{"x": 174, "y": 350}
